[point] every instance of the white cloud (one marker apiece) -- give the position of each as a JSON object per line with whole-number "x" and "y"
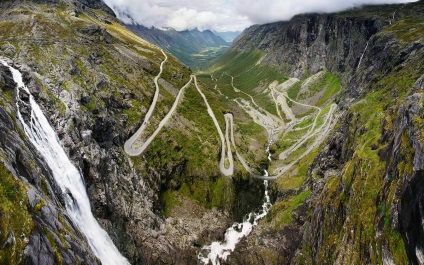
{"x": 224, "y": 15}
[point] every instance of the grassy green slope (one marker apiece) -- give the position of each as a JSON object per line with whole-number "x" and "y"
{"x": 246, "y": 68}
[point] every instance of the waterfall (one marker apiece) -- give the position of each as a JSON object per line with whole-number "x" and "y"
{"x": 271, "y": 135}
{"x": 233, "y": 235}
{"x": 45, "y": 140}
{"x": 362, "y": 56}
{"x": 221, "y": 250}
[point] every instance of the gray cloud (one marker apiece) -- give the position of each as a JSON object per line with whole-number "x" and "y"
{"x": 180, "y": 14}
{"x": 261, "y": 12}
{"x": 224, "y": 15}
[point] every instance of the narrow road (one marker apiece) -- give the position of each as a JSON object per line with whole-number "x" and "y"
{"x": 226, "y": 154}
{"x": 303, "y": 139}
{"x": 299, "y": 103}
{"x": 308, "y": 134}
{"x": 139, "y": 150}
{"x": 230, "y": 123}
{"x": 226, "y": 171}
{"x": 129, "y": 143}
{"x": 240, "y": 91}
{"x": 320, "y": 133}
{"x": 272, "y": 86}
{"x": 281, "y": 100}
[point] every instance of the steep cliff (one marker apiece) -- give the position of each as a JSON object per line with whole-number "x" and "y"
{"x": 310, "y": 43}
{"x": 36, "y": 229}
{"x": 361, "y": 201}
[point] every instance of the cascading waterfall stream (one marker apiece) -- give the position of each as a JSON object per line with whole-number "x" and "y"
{"x": 221, "y": 250}
{"x": 270, "y": 141}
{"x": 44, "y": 138}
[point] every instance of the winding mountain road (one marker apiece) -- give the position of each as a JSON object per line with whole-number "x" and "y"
{"x": 288, "y": 112}
{"x": 320, "y": 133}
{"x": 281, "y": 100}
{"x": 239, "y": 91}
{"x": 229, "y": 123}
{"x": 142, "y": 148}
{"x": 299, "y": 103}
{"x": 226, "y": 171}
{"x": 226, "y": 154}
{"x": 128, "y": 146}
{"x": 283, "y": 155}
{"x": 226, "y": 163}
{"x": 306, "y": 136}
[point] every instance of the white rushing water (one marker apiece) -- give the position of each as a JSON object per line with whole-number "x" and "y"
{"x": 233, "y": 235}
{"x": 44, "y": 138}
{"x": 270, "y": 141}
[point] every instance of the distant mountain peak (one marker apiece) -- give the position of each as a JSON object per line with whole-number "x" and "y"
{"x": 183, "y": 44}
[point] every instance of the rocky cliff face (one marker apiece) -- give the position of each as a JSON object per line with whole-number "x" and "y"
{"x": 36, "y": 229}
{"x": 310, "y": 43}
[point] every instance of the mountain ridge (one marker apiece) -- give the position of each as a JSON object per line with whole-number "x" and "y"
{"x": 183, "y": 44}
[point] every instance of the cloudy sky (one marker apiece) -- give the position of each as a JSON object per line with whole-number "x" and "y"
{"x": 224, "y": 15}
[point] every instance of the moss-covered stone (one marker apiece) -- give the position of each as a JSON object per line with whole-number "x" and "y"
{"x": 15, "y": 218}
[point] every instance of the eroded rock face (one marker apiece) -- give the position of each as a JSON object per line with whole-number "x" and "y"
{"x": 96, "y": 4}
{"x": 409, "y": 214}
{"x": 6, "y": 80}
{"x": 308, "y": 44}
